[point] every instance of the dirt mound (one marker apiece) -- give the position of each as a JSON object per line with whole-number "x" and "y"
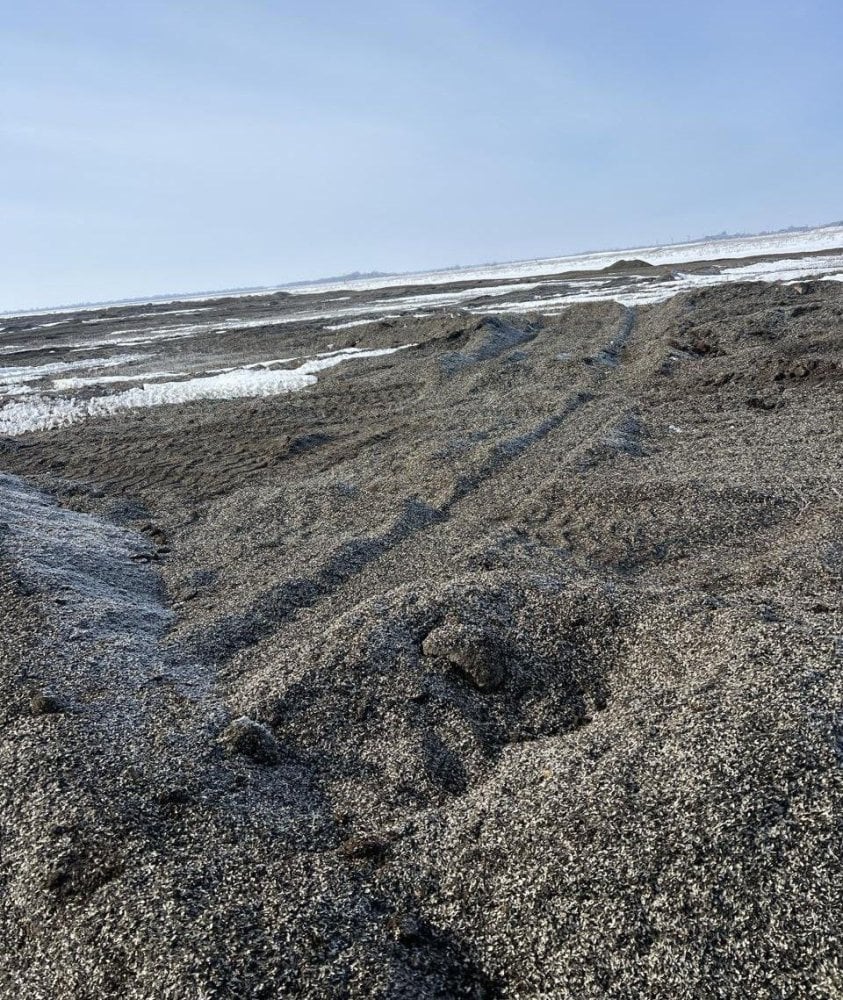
{"x": 436, "y": 684}
{"x": 624, "y": 266}
{"x": 506, "y": 665}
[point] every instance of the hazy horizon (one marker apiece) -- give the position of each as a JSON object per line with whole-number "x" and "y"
{"x": 182, "y": 148}
{"x": 188, "y": 294}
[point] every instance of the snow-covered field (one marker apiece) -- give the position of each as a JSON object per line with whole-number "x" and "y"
{"x": 793, "y": 269}
{"x": 719, "y": 248}
{"x": 548, "y": 296}
{"x": 72, "y": 372}
{"x": 806, "y": 241}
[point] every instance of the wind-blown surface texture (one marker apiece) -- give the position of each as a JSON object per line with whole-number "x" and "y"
{"x": 505, "y": 665}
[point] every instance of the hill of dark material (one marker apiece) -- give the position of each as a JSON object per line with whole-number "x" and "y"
{"x": 634, "y": 265}
{"x": 509, "y": 665}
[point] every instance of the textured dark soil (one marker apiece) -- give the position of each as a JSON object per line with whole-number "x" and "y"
{"x": 508, "y": 665}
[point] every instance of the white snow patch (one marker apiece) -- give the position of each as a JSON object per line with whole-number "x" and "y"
{"x": 145, "y": 337}
{"x": 42, "y": 413}
{"x": 44, "y": 326}
{"x": 144, "y": 315}
{"x": 175, "y": 333}
{"x": 19, "y": 374}
{"x": 81, "y": 383}
{"x": 357, "y": 322}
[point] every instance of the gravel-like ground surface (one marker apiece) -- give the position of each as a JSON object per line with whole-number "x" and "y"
{"x": 507, "y": 665}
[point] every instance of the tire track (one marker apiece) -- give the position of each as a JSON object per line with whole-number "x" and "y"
{"x": 237, "y": 632}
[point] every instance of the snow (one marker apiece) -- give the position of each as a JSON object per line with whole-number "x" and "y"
{"x": 19, "y": 374}
{"x": 45, "y": 326}
{"x": 148, "y": 336}
{"x": 34, "y": 406}
{"x": 44, "y": 413}
{"x": 821, "y": 238}
{"x": 370, "y": 312}
{"x": 576, "y": 290}
{"x": 789, "y": 269}
{"x": 343, "y": 314}
{"x": 803, "y": 241}
{"x": 64, "y": 384}
{"x": 358, "y": 322}
{"x": 134, "y": 315}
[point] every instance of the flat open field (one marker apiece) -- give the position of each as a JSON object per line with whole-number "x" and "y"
{"x": 455, "y": 638}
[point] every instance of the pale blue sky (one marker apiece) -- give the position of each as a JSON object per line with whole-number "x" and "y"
{"x": 151, "y": 147}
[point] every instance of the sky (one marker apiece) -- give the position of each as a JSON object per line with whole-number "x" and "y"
{"x": 154, "y": 147}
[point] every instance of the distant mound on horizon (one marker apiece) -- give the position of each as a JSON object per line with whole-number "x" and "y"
{"x": 336, "y": 278}
{"x": 629, "y": 265}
